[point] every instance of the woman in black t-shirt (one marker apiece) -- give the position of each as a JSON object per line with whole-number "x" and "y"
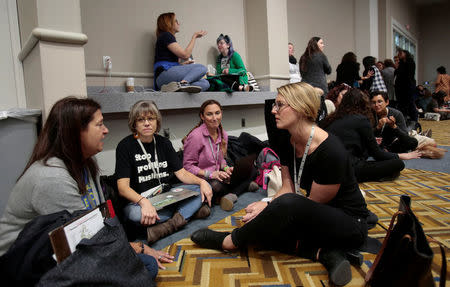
{"x": 169, "y": 74}
{"x": 332, "y": 216}
{"x": 144, "y": 163}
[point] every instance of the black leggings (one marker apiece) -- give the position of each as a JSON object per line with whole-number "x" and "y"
{"x": 220, "y": 188}
{"x": 291, "y": 222}
{"x": 376, "y": 170}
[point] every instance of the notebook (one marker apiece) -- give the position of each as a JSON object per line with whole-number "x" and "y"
{"x": 172, "y": 196}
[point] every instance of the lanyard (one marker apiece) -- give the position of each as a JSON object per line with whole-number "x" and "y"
{"x": 300, "y": 171}
{"x": 215, "y": 156}
{"x": 148, "y": 158}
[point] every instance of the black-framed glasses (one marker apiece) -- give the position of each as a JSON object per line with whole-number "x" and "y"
{"x": 143, "y": 119}
{"x": 278, "y": 106}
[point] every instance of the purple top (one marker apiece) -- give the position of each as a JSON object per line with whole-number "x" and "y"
{"x": 197, "y": 151}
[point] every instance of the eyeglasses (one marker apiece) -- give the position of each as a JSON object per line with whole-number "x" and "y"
{"x": 143, "y": 120}
{"x": 278, "y": 106}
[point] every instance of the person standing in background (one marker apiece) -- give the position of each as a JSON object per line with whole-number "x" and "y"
{"x": 388, "y": 74}
{"x": 294, "y": 71}
{"x": 314, "y": 65}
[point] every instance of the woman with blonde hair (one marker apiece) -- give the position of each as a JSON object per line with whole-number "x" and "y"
{"x": 325, "y": 223}
{"x": 169, "y": 74}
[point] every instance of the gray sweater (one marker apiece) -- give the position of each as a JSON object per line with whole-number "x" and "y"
{"x": 317, "y": 67}
{"x": 41, "y": 190}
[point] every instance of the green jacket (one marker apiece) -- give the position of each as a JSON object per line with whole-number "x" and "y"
{"x": 236, "y": 67}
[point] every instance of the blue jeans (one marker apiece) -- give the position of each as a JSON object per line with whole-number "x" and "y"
{"x": 191, "y": 73}
{"x": 150, "y": 264}
{"x": 186, "y": 207}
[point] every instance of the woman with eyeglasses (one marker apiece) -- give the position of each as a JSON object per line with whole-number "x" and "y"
{"x": 170, "y": 75}
{"x": 231, "y": 74}
{"x": 145, "y": 162}
{"x": 323, "y": 225}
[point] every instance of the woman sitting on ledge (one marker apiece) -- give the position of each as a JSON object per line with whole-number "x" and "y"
{"x": 170, "y": 75}
{"x": 326, "y": 223}
{"x": 231, "y": 75}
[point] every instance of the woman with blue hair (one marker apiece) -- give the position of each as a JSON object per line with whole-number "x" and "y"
{"x": 231, "y": 74}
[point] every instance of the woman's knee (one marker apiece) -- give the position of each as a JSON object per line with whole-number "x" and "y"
{"x": 133, "y": 213}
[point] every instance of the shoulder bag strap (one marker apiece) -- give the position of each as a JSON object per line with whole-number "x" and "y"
{"x": 443, "y": 275}
{"x": 380, "y": 253}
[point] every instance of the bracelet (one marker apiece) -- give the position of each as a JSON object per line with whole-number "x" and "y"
{"x": 140, "y": 200}
{"x": 225, "y": 168}
{"x": 207, "y": 174}
{"x": 142, "y": 247}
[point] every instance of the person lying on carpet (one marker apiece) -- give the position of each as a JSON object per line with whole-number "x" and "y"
{"x": 205, "y": 148}
{"x": 62, "y": 174}
{"x": 144, "y": 162}
{"x": 351, "y": 123}
{"x": 390, "y": 126}
{"x": 327, "y": 223}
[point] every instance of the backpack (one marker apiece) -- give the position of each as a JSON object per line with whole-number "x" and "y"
{"x": 265, "y": 161}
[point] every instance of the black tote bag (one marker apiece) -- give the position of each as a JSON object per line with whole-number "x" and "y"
{"x": 405, "y": 257}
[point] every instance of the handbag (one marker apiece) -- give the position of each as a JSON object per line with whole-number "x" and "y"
{"x": 106, "y": 259}
{"x": 405, "y": 257}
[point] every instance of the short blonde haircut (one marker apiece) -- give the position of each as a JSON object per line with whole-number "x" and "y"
{"x": 143, "y": 108}
{"x": 303, "y": 98}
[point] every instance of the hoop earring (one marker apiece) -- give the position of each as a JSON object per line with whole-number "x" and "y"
{"x": 136, "y": 135}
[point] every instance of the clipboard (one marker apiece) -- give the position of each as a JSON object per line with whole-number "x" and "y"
{"x": 65, "y": 238}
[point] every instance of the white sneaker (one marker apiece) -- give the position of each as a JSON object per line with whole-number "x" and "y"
{"x": 171, "y": 87}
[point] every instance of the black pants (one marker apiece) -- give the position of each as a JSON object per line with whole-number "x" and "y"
{"x": 376, "y": 170}
{"x": 220, "y": 188}
{"x": 403, "y": 143}
{"x": 291, "y": 222}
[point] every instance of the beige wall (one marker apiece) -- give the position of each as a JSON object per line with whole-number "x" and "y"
{"x": 125, "y": 30}
{"x": 332, "y": 20}
{"x": 434, "y": 42}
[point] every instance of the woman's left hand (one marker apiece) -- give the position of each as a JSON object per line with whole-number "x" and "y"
{"x": 410, "y": 155}
{"x": 225, "y": 71}
{"x": 206, "y": 192}
{"x": 160, "y": 256}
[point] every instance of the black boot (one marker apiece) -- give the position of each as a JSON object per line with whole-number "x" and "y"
{"x": 337, "y": 265}
{"x": 208, "y": 238}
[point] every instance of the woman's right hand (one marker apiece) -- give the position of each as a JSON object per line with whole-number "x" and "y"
{"x": 253, "y": 209}
{"x": 199, "y": 34}
{"x": 220, "y": 175}
{"x": 149, "y": 215}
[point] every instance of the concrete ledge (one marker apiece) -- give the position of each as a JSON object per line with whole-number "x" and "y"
{"x": 122, "y": 102}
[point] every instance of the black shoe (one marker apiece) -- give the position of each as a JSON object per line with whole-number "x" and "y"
{"x": 337, "y": 265}
{"x": 354, "y": 257}
{"x": 208, "y": 238}
{"x": 371, "y": 220}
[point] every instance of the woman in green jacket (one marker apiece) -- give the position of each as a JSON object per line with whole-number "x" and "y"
{"x": 231, "y": 74}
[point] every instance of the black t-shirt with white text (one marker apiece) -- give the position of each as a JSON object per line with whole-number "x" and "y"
{"x": 132, "y": 163}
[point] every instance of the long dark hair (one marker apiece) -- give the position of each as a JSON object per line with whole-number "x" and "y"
{"x": 349, "y": 57}
{"x": 354, "y": 102}
{"x": 61, "y": 138}
{"x": 223, "y": 143}
{"x": 310, "y": 50}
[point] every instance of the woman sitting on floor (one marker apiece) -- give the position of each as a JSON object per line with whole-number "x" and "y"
{"x": 352, "y": 123}
{"x": 390, "y": 125}
{"x": 205, "y": 148}
{"x": 145, "y": 162}
{"x": 329, "y": 220}
{"x": 231, "y": 74}
{"x": 62, "y": 174}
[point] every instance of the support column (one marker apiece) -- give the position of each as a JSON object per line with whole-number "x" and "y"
{"x": 366, "y": 28}
{"x": 267, "y": 38}
{"x": 53, "y": 52}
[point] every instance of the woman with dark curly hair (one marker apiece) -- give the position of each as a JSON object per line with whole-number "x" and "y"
{"x": 337, "y": 93}
{"x": 348, "y": 70}
{"x": 314, "y": 64}
{"x": 352, "y": 123}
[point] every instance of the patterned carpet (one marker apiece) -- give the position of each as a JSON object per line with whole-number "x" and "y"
{"x": 195, "y": 266}
{"x": 441, "y": 131}
{"x": 429, "y": 191}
